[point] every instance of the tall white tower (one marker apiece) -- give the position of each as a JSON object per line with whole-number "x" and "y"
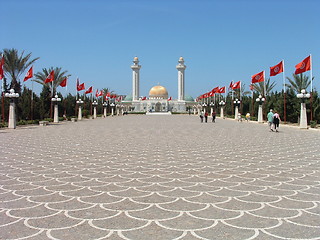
{"x": 181, "y": 67}
{"x": 135, "y": 79}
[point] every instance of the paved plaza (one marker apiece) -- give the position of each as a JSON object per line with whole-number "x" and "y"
{"x": 159, "y": 177}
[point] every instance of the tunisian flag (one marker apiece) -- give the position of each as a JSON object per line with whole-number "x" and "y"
{"x": 29, "y": 74}
{"x": 275, "y": 70}
{"x": 89, "y": 90}
{"x": 63, "y": 82}
{"x": 259, "y": 77}
{"x": 81, "y": 86}
{"x": 303, "y": 66}
{"x": 98, "y": 94}
{"x": 222, "y": 90}
{"x": 50, "y": 77}
{"x": 1, "y": 67}
{"x": 236, "y": 85}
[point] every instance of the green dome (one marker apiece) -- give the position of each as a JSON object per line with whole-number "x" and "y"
{"x": 128, "y": 98}
{"x": 188, "y": 98}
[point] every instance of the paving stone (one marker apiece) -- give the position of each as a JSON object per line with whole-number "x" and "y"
{"x": 159, "y": 177}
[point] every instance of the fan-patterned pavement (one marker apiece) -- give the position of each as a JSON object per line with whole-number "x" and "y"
{"x": 159, "y": 177}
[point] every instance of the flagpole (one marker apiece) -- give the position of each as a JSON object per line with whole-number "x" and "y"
{"x": 311, "y": 99}
{"x": 284, "y": 94}
{"x": 265, "y": 90}
{"x": 31, "y": 100}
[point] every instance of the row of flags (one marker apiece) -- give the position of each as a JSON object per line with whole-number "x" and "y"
{"x": 303, "y": 66}
{"x": 63, "y": 83}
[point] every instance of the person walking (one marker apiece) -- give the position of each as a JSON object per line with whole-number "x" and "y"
{"x": 270, "y": 119}
{"x": 201, "y": 116}
{"x": 206, "y": 116}
{"x": 248, "y": 117}
{"x": 213, "y": 116}
{"x": 276, "y": 121}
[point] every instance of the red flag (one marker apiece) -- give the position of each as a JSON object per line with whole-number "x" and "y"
{"x": 29, "y": 74}
{"x": 170, "y": 98}
{"x": 106, "y": 98}
{"x": 231, "y": 84}
{"x": 236, "y": 85}
{"x": 222, "y": 90}
{"x": 251, "y": 87}
{"x": 98, "y": 94}
{"x": 216, "y": 89}
{"x": 63, "y": 82}
{"x": 143, "y": 98}
{"x": 210, "y": 94}
{"x": 259, "y": 77}
{"x": 275, "y": 70}
{"x": 81, "y": 86}
{"x": 303, "y": 66}
{"x": 1, "y": 67}
{"x": 205, "y": 95}
{"x": 89, "y": 90}
{"x": 50, "y": 77}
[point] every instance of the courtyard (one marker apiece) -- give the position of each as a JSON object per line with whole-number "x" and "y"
{"x": 159, "y": 177}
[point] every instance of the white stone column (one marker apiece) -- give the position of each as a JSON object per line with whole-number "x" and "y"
{"x": 236, "y": 111}
{"x": 260, "y": 115}
{"x": 12, "y": 115}
{"x": 112, "y": 111}
{"x": 221, "y": 112}
{"x": 94, "y": 112}
{"x": 80, "y": 113}
{"x": 181, "y": 67}
{"x": 194, "y": 111}
{"x": 105, "y": 112}
{"x": 135, "y": 79}
{"x": 303, "y": 116}
{"x": 56, "y": 113}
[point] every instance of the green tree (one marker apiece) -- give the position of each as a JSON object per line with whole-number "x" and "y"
{"x": 15, "y": 64}
{"x": 59, "y": 76}
{"x": 259, "y": 87}
{"x": 298, "y": 82}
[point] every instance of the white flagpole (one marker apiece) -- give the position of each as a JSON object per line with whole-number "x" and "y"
{"x": 284, "y": 78}
{"x": 311, "y": 73}
{"x": 240, "y": 92}
{"x": 265, "y": 90}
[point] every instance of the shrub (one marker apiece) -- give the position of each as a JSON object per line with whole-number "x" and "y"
{"x": 313, "y": 124}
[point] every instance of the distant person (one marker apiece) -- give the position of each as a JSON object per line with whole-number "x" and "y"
{"x": 213, "y": 116}
{"x": 248, "y": 117}
{"x": 276, "y": 121}
{"x": 239, "y": 117}
{"x": 201, "y": 116}
{"x": 206, "y": 116}
{"x": 270, "y": 119}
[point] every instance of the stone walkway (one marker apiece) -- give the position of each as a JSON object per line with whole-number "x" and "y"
{"x": 159, "y": 177}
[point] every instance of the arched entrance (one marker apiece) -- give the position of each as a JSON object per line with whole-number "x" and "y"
{"x": 158, "y": 107}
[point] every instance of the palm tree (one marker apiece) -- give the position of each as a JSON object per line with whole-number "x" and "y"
{"x": 15, "y": 65}
{"x": 59, "y": 76}
{"x": 298, "y": 82}
{"x": 259, "y": 87}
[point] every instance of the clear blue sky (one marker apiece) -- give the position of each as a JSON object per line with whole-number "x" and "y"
{"x": 96, "y": 40}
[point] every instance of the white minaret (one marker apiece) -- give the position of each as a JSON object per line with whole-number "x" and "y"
{"x": 181, "y": 67}
{"x": 135, "y": 79}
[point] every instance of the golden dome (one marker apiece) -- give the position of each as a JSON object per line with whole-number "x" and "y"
{"x": 158, "y": 92}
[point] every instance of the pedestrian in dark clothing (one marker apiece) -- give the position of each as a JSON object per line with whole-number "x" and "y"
{"x": 206, "y": 116}
{"x": 213, "y": 116}
{"x": 201, "y": 116}
{"x": 276, "y": 121}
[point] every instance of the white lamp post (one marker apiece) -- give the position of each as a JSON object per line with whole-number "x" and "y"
{"x": 94, "y": 104}
{"x": 236, "y": 110}
{"x": 79, "y": 102}
{"x": 12, "y": 109}
{"x": 222, "y": 104}
{"x": 204, "y": 106}
{"x": 260, "y": 100}
{"x": 303, "y": 112}
{"x": 55, "y": 101}
{"x": 211, "y": 106}
{"x": 112, "y": 109}
{"x": 105, "y": 105}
